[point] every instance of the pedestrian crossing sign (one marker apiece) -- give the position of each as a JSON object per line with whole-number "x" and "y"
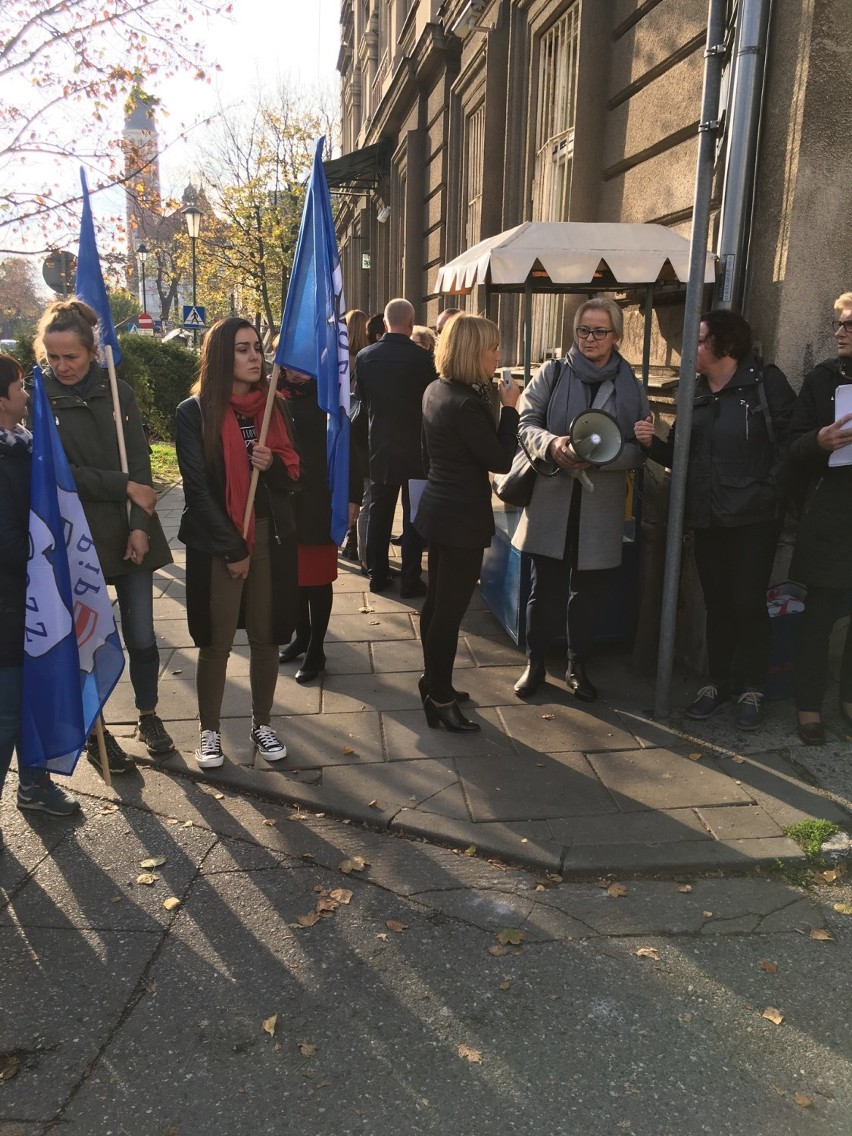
{"x": 194, "y": 317}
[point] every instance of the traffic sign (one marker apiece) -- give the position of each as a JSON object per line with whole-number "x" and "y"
{"x": 144, "y": 320}
{"x": 194, "y": 317}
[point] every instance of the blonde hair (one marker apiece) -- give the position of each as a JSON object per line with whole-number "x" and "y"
{"x": 842, "y": 303}
{"x": 67, "y": 315}
{"x": 461, "y": 345}
{"x": 424, "y": 336}
{"x": 601, "y": 304}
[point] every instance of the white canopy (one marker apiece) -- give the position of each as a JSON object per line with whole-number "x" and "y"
{"x": 571, "y": 252}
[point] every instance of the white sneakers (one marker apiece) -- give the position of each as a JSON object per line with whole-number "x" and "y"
{"x": 266, "y": 742}
{"x": 209, "y": 753}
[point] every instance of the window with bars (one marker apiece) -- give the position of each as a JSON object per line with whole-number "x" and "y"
{"x": 556, "y": 111}
{"x": 474, "y": 141}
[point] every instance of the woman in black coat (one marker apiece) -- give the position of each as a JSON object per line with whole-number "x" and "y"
{"x": 312, "y": 509}
{"x": 739, "y": 428}
{"x": 822, "y": 558}
{"x": 460, "y": 447}
{"x": 234, "y": 580}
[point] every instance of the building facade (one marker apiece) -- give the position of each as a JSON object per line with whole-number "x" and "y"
{"x": 463, "y": 118}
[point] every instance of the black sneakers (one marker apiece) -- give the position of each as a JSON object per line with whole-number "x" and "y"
{"x": 152, "y": 732}
{"x": 117, "y": 759}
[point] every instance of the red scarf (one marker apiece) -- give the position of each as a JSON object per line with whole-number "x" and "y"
{"x": 237, "y": 468}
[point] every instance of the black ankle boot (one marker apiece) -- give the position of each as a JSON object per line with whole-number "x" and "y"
{"x": 458, "y": 695}
{"x": 349, "y": 551}
{"x": 292, "y": 651}
{"x": 450, "y": 717}
{"x": 531, "y": 679}
{"x": 579, "y": 682}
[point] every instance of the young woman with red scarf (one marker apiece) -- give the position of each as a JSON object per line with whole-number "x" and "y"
{"x": 233, "y": 581}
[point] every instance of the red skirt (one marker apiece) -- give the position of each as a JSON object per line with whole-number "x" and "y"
{"x": 317, "y": 564}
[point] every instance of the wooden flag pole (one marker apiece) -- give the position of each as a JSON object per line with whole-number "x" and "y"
{"x": 99, "y": 732}
{"x": 261, "y": 441}
{"x": 116, "y": 413}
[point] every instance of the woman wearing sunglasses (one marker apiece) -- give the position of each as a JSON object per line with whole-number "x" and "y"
{"x": 574, "y": 532}
{"x": 822, "y": 558}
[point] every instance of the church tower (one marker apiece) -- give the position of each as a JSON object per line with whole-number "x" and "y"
{"x": 142, "y": 184}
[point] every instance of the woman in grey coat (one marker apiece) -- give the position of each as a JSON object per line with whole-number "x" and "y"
{"x": 573, "y": 525}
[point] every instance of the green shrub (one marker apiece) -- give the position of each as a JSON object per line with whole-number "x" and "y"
{"x": 161, "y": 375}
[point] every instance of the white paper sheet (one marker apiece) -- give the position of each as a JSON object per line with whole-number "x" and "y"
{"x": 842, "y": 405}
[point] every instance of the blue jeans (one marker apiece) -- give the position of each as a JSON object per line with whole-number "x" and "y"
{"x": 11, "y": 687}
{"x": 135, "y": 593}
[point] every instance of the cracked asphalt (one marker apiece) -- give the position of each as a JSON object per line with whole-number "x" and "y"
{"x": 413, "y": 988}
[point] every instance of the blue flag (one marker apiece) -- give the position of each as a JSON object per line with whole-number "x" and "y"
{"x": 72, "y": 653}
{"x": 90, "y": 282}
{"x": 313, "y": 336}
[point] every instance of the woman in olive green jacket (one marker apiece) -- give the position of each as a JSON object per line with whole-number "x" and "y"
{"x": 120, "y": 507}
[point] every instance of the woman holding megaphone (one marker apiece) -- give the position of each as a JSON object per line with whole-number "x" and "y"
{"x": 573, "y": 526}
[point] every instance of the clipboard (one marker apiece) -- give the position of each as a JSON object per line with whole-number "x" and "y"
{"x": 842, "y": 405}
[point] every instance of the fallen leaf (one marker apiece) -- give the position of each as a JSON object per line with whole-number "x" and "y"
{"x": 396, "y": 925}
{"x": 843, "y": 908}
{"x": 773, "y": 1015}
{"x": 803, "y": 1100}
{"x": 374, "y": 804}
{"x": 153, "y": 862}
{"x": 472, "y": 1055}
{"x": 308, "y": 1049}
{"x": 172, "y": 820}
{"x": 147, "y": 878}
{"x": 383, "y": 936}
{"x": 769, "y": 967}
{"x": 539, "y": 887}
{"x": 738, "y": 760}
{"x": 177, "y": 672}
{"x": 548, "y": 717}
{"x": 326, "y": 906}
{"x": 832, "y": 876}
{"x": 776, "y": 1089}
{"x": 511, "y": 935}
{"x": 694, "y": 756}
{"x": 505, "y": 984}
{"x": 117, "y": 899}
{"x": 352, "y": 864}
{"x": 498, "y": 951}
{"x": 171, "y": 903}
{"x": 367, "y": 610}
{"x": 109, "y": 808}
{"x": 648, "y": 953}
{"x": 347, "y": 750}
{"x": 10, "y": 1066}
{"x": 374, "y": 622}
{"x": 269, "y": 821}
{"x": 687, "y": 1018}
{"x": 218, "y": 796}
{"x": 470, "y": 850}
{"x": 322, "y": 1084}
{"x": 707, "y": 914}
{"x": 268, "y": 1025}
{"x": 685, "y": 889}
{"x": 308, "y": 920}
{"x": 340, "y": 895}
{"x": 821, "y": 935}
{"x": 320, "y": 890}
{"x": 555, "y": 876}
{"x": 616, "y": 891}
{"x": 187, "y": 824}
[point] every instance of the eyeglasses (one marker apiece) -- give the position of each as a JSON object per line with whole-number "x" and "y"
{"x": 595, "y": 332}
{"x": 845, "y": 324}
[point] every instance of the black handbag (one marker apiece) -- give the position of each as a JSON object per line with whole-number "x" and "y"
{"x": 516, "y": 487}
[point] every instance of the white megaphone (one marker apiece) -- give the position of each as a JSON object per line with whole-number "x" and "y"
{"x": 596, "y": 437}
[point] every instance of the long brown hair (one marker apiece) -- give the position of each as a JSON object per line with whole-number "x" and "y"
{"x": 356, "y": 330}
{"x": 216, "y": 379}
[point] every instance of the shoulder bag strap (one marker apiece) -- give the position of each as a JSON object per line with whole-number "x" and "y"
{"x": 546, "y": 473}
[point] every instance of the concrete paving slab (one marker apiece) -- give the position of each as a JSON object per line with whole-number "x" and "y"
{"x": 447, "y": 802}
{"x": 554, "y": 728}
{"x": 741, "y": 822}
{"x": 495, "y": 839}
{"x": 407, "y": 738}
{"x": 29, "y": 839}
{"x": 359, "y": 628}
{"x": 656, "y": 826}
{"x": 346, "y": 694}
{"x": 408, "y": 656}
{"x": 57, "y": 1025}
{"x": 352, "y": 790}
{"x": 772, "y": 781}
{"x": 327, "y": 740}
{"x": 494, "y": 651}
{"x": 480, "y": 622}
{"x": 664, "y": 779}
{"x": 684, "y": 856}
{"x": 527, "y": 786}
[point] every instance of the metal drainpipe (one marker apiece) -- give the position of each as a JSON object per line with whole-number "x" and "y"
{"x": 743, "y": 131}
{"x": 708, "y": 128}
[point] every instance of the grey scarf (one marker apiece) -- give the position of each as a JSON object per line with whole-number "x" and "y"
{"x": 618, "y": 393}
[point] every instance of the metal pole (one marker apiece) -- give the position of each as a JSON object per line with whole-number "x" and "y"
{"x": 527, "y": 330}
{"x": 708, "y": 129}
{"x": 144, "y": 290}
{"x": 646, "y": 343}
{"x": 193, "y": 242}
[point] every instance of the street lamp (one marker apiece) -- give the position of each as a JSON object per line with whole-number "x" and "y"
{"x": 192, "y": 216}
{"x": 142, "y": 257}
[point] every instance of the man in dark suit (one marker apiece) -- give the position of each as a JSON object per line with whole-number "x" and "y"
{"x": 390, "y": 378}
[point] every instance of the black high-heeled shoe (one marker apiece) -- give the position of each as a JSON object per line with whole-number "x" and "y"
{"x": 458, "y": 695}
{"x": 309, "y": 669}
{"x": 450, "y": 717}
{"x": 292, "y": 651}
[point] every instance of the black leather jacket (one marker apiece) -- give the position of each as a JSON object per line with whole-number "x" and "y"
{"x": 15, "y": 467}
{"x": 205, "y": 524}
